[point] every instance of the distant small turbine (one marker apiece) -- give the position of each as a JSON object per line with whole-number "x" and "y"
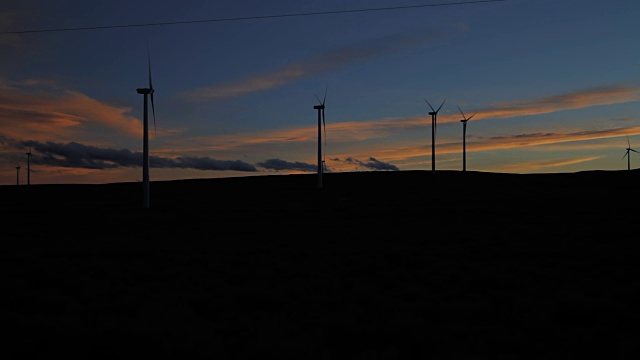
{"x": 145, "y": 141}
{"x": 464, "y": 138}
{"x": 321, "y": 122}
{"x": 628, "y": 155}
{"x": 18, "y": 174}
{"x": 434, "y": 114}
{"x": 29, "y": 167}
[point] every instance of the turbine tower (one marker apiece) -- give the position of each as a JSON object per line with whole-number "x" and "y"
{"x": 145, "y": 141}
{"x": 628, "y": 155}
{"x": 434, "y": 114}
{"x": 29, "y": 167}
{"x": 464, "y": 138}
{"x": 320, "y": 108}
{"x": 18, "y": 174}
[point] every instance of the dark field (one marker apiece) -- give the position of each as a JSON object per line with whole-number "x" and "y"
{"x": 375, "y": 265}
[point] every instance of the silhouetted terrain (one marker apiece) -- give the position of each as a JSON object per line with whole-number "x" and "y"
{"x": 375, "y": 265}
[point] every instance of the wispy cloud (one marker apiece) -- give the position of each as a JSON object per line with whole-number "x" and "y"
{"x": 543, "y": 164}
{"x": 603, "y": 95}
{"x": 535, "y": 139}
{"x": 308, "y": 67}
{"x": 352, "y": 131}
{"x": 405, "y": 153}
{"x": 36, "y": 110}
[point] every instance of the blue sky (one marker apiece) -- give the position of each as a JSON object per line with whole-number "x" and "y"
{"x": 554, "y": 86}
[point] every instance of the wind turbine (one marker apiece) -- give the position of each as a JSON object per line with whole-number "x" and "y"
{"x": 29, "y": 167}
{"x": 628, "y": 154}
{"x": 434, "y": 114}
{"x": 320, "y": 108}
{"x": 464, "y": 138}
{"x": 18, "y": 174}
{"x": 145, "y": 141}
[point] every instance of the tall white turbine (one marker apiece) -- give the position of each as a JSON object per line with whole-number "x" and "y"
{"x": 464, "y": 138}
{"x": 18, "y": 174}
{"x": 321, "y": 122}
{"x": 628, "y": 155}
{"x": 145, "y": 141}
{"x": 29, "y": 167}
{"x": 434, "y": 114}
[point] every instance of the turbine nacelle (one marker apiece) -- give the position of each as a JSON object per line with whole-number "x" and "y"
{"x": 144, "y": 91}
{"x": 464, "y": 118}
{"x": 434, "y": 111}
{"x": 629, "y": 149}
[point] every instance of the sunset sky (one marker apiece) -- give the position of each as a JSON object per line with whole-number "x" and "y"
{"x": 554, "y": 86}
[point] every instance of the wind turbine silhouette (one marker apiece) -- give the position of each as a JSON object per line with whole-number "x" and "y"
{"x": 29, "y": 167}
{"x": 434, "y": 114}
{"x": 464, "y": 138}
{"x": 18, "y": 174}
{"x": 321, "y": 122}
{"x": 628, "y": 154}
{"x": 145, "y": 141}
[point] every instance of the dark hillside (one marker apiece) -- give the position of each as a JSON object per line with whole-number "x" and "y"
{"x": 384, "y": 265}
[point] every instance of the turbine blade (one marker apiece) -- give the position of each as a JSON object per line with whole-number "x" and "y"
{"x": 628, "y": 143}
{"x": 325, "y": 94}
{"x": 625, "y": 154}
{"x": 634, "y": 151}
{"x": 464, "y": 117}
{"x": 324, "y": 126}
{"x": 149, "y": 66}
{"x": 150, "y": 82}
{"x": 430, "y": 105}
{"x": 319, "y": 102}
{"x": 153, "y": 107}
{"x": 441, "y": 105}
{"x": 323, "y": 123}
{"x": 153, "y": 110}
{"x": 471, "y": 116}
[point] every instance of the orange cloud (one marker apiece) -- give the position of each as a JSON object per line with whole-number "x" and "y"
{"x": 604, "y": 95}
{"x": 36, "y": 110}
{"x": 548, "y": 138}
{"x": 352, "y": 131}
{"x": 419, "y": 154}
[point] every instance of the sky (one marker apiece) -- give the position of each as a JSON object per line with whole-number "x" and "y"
{"x": 553, "y": 87}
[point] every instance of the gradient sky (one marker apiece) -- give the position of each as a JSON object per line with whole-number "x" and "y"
{"x": 554, "y": 84}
